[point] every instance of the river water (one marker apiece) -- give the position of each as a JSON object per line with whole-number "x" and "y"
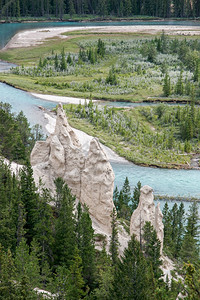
{"x": 183, "y": 183}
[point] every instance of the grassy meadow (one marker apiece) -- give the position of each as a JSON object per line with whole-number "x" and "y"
{"x": 122, "y": 67}
{"x": 131, "y": 67}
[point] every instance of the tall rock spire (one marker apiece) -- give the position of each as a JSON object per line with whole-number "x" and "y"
{"x": 147, "y": 212}
{"x": 91, "y": 178}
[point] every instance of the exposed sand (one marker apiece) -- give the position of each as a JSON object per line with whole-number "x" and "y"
{"x": 62, "y": 99}
{"x": 38, "y": 36}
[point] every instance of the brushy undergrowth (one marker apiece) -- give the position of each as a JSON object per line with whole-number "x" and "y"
{"x": 113, "y": 67}
{"x": 160, "y": 136}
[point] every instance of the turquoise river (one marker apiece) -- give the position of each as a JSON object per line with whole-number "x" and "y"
{"x": 183, "y": 183}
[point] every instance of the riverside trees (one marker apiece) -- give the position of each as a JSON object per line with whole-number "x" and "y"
{"x": 159, "y": 135}
{"x": 16, "y": 136}
{"x": 31, "y": 255}
{"x": 122, "y": 8}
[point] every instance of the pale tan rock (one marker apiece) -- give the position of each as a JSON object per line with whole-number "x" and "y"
{"x": 40, "y": 152}
{"x": 97, "y": 184}
{"x": 91, "y": 178}
{"x": 57, "y": 157}
{"x": 147, "y": 212}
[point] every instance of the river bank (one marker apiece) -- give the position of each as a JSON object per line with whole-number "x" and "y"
{"x": 42, "y": 34}
{"x": 29, "y": 38}
{"x": 92, "y": 18}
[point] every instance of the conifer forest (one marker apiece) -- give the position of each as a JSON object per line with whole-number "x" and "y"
{"x": 139, "y": 95}
{"x": 119, "y": 8}
{"x": 49, "y": 251}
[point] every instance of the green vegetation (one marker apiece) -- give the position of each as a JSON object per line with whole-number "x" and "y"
{"x": 16, "y": 137}
{"x": 112, "y": 67}
{"x": 52, "y": 248}
{"x": 161, "y": 135}
{"x": 78, "y": 9}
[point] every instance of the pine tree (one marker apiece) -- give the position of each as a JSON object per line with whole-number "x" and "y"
{"x": 56, "y": 64}
{"x": 179, "y": 85}
{"x": 180, "y": 230}
{"x": 167, "y": 226}
{"x": 126, "y": 192}
{"x": 7, "y": 276}
{"x": 196, "y": 71}
{"x": 116, "y": 197}
{"x": 63, "y": 65}
{"x": 167, "y": 86}
{"x": 69, "y": 59}
{"x": 114, "y": 243}
{"x": 85, "y": 241}
{"x": 192, "y": 283}
{"x": 65, "y": 228}
{"x": 27, "y": 264}
{"x": 132, "y": 276}
{"x": 29, "y": 198}
{"x": 189, "y": 250}
{"x": 71, "y": 8}
{"x": 136, "y": 196}
{"x": 151, "y": 248}
{"x": 43, "y": 228}
{"x": 77, "y": 281}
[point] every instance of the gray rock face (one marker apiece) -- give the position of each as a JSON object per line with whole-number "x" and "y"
{"x": 147, "y": 212}
{"x": 91, "y": 178}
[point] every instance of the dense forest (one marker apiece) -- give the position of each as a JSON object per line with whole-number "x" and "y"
{"x": 16, "y": 137}
{"x": 51, "y": 248}
{"x": 120, "y": 8}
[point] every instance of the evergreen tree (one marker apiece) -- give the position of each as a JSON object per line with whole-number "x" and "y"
{"x": 27, "y": 264}
{"x": 63, "y": 65}
{"x": 167, "y": 86}
{"x": 189, "y": 250}
{"x": 56, "y": 63}
{"x": 116, "y": 197}
{"x": 167, "y": 226}
{"x": 192, "y": 283}
{"x": 87, "y": 247}
{"x": 43, "y": 228}
{"x": 65, "y": 228}
{"x": 132, "y": 276}
{"x": 180, "y": 230}
{"x": 114, "y": 243}
{"x": 151, "y": 248}
{"x": 69, "y": 59}
{"x": 126, "y": 192}
{"x": 136, "y": 197}
{"x": 7, "y": 276}
{"x": 179, "y": 84}
{"x": 71, "y": 8}
{"x": 29, "y": 198}
{"x": 196, "y": 71}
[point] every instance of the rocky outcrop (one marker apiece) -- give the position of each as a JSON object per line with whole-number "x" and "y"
{"x": 147, "y": 212}
{"x": 97, "y": 184}
{"x": 90, "y": 178}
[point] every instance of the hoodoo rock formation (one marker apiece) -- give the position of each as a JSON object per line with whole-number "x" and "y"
{"x": 90, "y": 178}
{"x": 147, "y": 212}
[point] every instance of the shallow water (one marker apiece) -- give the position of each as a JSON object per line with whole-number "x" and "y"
{"x": 7, "y": 31}
{"x": 163, "y": 181}
{"x": 184, "y": 183}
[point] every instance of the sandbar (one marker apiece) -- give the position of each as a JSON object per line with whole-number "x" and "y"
{"x": 34, "y": 37}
